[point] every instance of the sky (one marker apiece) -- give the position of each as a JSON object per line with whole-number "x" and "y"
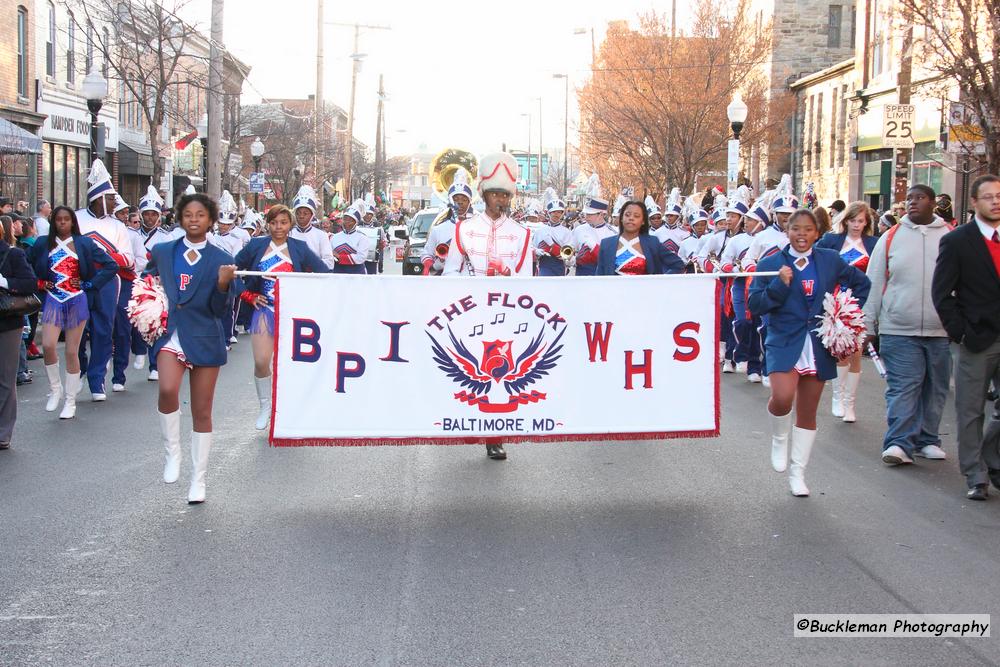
{"x": 456, "y": 74}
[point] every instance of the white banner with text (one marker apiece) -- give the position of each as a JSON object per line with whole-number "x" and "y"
{"x": 361, "y": 360}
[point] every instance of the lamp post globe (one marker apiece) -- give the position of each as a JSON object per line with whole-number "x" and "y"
{"x": 737, "y": 114}
{"x": 94, "y": 89}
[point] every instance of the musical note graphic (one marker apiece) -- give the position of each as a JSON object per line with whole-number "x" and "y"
{"x": 500, "y": 317}
{"x": 523, "y": 326}
{"x": 476, "y": 330}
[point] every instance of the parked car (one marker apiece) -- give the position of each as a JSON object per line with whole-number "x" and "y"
{"x": 419, "y": 227}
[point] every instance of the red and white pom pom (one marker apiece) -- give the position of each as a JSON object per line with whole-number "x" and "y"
{"x": 147, "y": 309}
{"x": 842, "y": 324}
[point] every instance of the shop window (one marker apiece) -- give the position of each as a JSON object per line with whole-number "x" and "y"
{"x": 59, "y": 175}
{"x": 47, "y": 174}
{"x": 72, "y": 178}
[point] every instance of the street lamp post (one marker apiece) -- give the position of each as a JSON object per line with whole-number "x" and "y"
{"x": 565, "y": 134}
{"x": 257, "y": 152}
{"x": 203, "y": 138}
{"x": 95, "y": 89}
{"x": 737, "y": 114}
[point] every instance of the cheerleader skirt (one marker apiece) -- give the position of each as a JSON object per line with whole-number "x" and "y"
{"x": 262, "y": 321}
{"x": 67, "y": 314}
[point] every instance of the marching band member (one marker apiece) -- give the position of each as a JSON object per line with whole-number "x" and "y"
{"x": 274, "y": 253}
{"x": 726, "y": 227}
{"x": 121, "y": 209}
{"x": 125, "y": 336}
{"x": 691, "y": 246}
{"x": 491, "y": 243}
{"x": 616, "y": 211}
{"x": 71, "y": 268}
{"x": 770, "y": 241}
{"x": 225, "y": 239}
{"x": 553, "y": 243}
{"x": 198, "y": 280}
{"x": 113, "y": 237}
{"x": 151, "y": 234}
{"x": 350, "y": 246}
{"x": 588, "y": 235}
{"x": 797, "y": 362}
{"x": 654, "y": 213}
{"x": 634, "y": 252}
{"x": 304, "y": 206}
{"x": 377, "y": 236}
{"x": 745, "y": 323}
{"x": 672, "y": 233}
{"x": 443, "y": 233}
{"x": 854, "y": 241}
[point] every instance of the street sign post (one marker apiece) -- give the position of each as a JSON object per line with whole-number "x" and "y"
{"x": 897, "y": 125}
{"x": 257, "y": 182}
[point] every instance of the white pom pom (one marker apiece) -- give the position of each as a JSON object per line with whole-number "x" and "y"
{"x": 842, "y": 325}
{"x": 147, "y": 309}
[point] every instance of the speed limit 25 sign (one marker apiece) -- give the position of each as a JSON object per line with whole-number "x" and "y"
{"x": 897, "y": 125}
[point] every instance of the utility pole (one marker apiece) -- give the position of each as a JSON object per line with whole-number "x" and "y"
{"x": 356, "y": 60}
{"x": 318, "y": 139}
{"x": 379, "y": 137}
{"x": 904, "y": 155}
{"x": 215, "y": 102}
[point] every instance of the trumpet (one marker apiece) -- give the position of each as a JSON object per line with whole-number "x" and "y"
{"x": 713, "y": 259}
{"x": 566, "y": 252}
{"x": 441, "y": 250}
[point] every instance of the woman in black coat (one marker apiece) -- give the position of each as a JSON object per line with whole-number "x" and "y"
{"x": 17, "y": 278}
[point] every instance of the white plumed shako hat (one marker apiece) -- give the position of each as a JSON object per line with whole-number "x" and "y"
{"x": 460, "y": 185}
{"x": 228, "y": 211}
{"x": 498, "y": 171}
{"x": 306, "y": 198}
{"x": 99, "y": 181}
{"x": 152, "y": 201}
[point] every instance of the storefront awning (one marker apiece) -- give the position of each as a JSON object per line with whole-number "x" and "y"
{"x": 13, "y": 139}
{"x": 135, "y": 159}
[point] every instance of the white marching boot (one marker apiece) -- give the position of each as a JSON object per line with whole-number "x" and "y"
{"x": 850, "y": 393}
{"x": 73, "y": 384}
{"x": 802, "y": 444}
{"x": 838, "y": 391}
{"x": 264, "y": 395}
{"x": 139, "y": 362}
{"x": 55, "y": 387}
{"x": 780, "y": 425}
{"x": 200, "y": 444}
{"x": 170, "y": 427}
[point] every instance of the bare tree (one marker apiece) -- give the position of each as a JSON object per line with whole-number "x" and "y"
{"x": 957, "y": 43}
{"x": 153, "y": 54}
{"x": 654, "y": 112}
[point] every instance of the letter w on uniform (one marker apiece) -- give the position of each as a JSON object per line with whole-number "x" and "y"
{"x": 598, "y": 335}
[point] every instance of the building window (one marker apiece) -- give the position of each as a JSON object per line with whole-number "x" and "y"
{"x": 89, "y": 62}
{"x": 833, "y": 27}
{"x": 842, "y": 132}
{"x": 834, "y": 120}
{"x": 105, "y": 49}
{"x": 22, "y": 52}
{"x": 50, "y": 44}
{"x": 71, "y": 50}
{"x": 818, "y": 133}
{"x": 854, "y": 25}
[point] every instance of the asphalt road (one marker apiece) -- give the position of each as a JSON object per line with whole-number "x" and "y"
{"x": 677, "y": 552}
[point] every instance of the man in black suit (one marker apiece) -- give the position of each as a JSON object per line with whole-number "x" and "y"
{"x": 966, "y": 293}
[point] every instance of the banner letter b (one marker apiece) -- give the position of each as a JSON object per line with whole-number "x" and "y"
{"x": 305, "y": 341}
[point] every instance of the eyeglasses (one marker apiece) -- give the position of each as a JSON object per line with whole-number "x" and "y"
{"x": 989, "y": 199}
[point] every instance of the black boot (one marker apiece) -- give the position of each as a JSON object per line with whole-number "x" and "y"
{"x": 496, "y": 452}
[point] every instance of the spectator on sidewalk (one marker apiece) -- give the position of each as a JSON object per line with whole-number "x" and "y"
{"x": 18, "y": 278}
{"x": 912, "y": 341}
{"x": 967, "y": 297}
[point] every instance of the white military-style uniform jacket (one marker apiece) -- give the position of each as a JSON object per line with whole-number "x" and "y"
{"x": 480, "y": 238}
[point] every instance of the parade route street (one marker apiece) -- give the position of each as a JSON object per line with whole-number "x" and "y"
{"x": 650, "y": 553}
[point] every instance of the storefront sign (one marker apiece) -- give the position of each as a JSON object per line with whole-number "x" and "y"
{"x": 67, "y": 124}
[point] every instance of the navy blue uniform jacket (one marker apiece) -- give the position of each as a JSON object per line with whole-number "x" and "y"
{"x": 659, "y": 260}
{"x": 96, "y": 266}
{"x": 196, "y": 313}
{"x": 790, "y": 319}
{"x": 303, "y": 259}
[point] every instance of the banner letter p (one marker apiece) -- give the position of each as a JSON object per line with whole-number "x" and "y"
{"x": 349, "y": 365}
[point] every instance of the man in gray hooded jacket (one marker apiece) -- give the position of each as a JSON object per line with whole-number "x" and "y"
{"x": 912, "y": 341}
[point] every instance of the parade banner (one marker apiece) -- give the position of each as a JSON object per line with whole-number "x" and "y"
{"x": 452, "y": 360}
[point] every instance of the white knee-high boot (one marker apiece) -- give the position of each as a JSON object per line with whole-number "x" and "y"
{"x": 264, "y": 395}
{"x": 170, "y": 427}
{"x": 201, "y": 443}
{"x": 73, "y": 384}
{"x": 55, "y": 386}
{"x": 802, "y": 444}
{"x": 850, "y": 393}
{"x": 780, "y": 425}
{"x": 838, "y": 391}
